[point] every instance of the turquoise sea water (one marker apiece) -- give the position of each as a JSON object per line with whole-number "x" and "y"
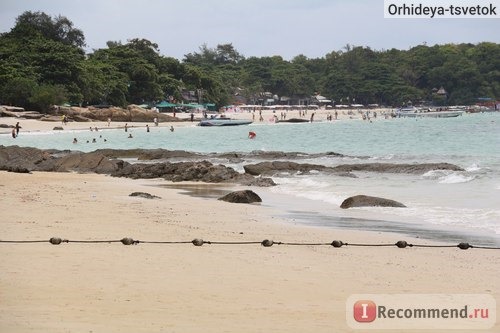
{"x": 441, "y": 204}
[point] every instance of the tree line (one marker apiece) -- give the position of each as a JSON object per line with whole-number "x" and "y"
{"x": 43, "y": 62}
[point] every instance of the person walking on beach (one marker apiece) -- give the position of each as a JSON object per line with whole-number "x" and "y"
{"x": 14, "y": 133}
{"x": 109, "y": 121}
{"x": 17, "y": 128}
{"x": 126, "y": 127}
{"x": 155, "y": 121}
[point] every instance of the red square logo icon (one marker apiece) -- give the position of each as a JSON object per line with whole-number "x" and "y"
{"x": 365, "y": 311}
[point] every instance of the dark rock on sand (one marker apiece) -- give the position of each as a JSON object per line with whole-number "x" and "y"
{"x": 246, "y": 196}
{"x": 34, "y": 159}
{"x": 144, "y": 195}
{"x": 58, "y": 128}
{"x": 132, "y": 113}
{"x": 248, "y": 180}
{"x": 18, "y": 170}
{"x": 368, "y": 201}
{"x": 87, "y": 162}
{"x": 22, "y": 157}
{"x": 17, "y": 112}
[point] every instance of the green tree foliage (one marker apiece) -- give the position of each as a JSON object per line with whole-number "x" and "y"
{"x": 42, "y": 61}
{"x": 38, "y": 52}
{"x": 46, "y": 95}
{"x": 58, "y": 29}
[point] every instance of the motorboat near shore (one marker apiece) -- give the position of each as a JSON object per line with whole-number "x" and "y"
{"x": 223, "y": 121}
{"x": 414, "y": 112}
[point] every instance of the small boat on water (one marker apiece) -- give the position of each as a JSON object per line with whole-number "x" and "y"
{"x": 223, "y": 121}
{"x": 413, "y": 112}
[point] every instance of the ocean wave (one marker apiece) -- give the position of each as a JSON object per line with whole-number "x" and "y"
{"x": 455, "y": 178}
{"x": 307, "y": 188}
{"x": 436, "y": 174}
{"x": 448, "y": 177}
{"x": 473, "y": 168}
{"x": 383, "y": 157}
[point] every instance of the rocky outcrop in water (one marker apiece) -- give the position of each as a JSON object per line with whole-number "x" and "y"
{"x": 232, "y": 157}
{"x": 203, "y": 171}
{"x": 246, "y": 196}
{"x": 32, "y": 159}
{"x": 107, "y": 161}
{"x": 150, "y": 154}
{"x": 368, "y": 201}
{"x": 273, "y": 168}
{"x": 398, "y": 168}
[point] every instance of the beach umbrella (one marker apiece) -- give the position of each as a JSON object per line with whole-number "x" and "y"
{"x": 165, "y": 105}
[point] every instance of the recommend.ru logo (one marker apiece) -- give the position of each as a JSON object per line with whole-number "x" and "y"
{"x": 421, "y": 311}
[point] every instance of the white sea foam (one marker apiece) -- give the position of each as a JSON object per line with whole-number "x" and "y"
{"x": 454, "y": 178}
{"x": 474, "y": 167}
{"x": 383, "y": 157}
{"x": 307, "y": 188}
{"x": 436, "y": 174}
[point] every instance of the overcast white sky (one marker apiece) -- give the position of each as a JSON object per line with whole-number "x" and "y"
{"x": 254, "y": 27}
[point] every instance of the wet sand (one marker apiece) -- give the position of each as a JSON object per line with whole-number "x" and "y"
{"x": 110, "y": 287}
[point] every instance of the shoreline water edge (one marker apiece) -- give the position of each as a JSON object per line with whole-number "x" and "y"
{"x": 146, "y": 287}
{"x": 441, "y": 203}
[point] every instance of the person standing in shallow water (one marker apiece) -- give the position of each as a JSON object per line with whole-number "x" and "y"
{"x": 147, "y": 128}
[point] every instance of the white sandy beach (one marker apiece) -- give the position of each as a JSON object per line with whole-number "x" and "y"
{"x": 182, "y": 288}
{"x": 31, "y": 125}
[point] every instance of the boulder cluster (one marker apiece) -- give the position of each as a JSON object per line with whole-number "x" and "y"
{"x": 197, "y": 167}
